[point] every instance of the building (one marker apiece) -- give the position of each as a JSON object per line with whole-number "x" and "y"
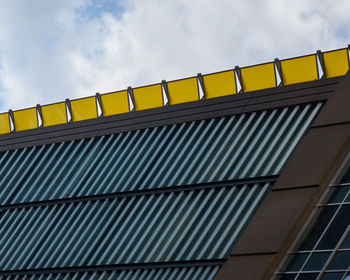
{"x": 241, "y": 174}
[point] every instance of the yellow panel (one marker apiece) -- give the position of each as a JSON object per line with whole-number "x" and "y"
{"x": 25, "y": 119}
{"x": 54, "y": 114}
{"x": 182, "y": 91}
{"x": 115, "y": 103}
{"x": 83, "y": 109}
{"x": 148, "y": 97}
{"x": 299, "y": 70}
{"x": 258, "y": 77}
{"x": 4, "y": 123}
{"x": 219, "y": 84}
{"x": 336, "y": 63}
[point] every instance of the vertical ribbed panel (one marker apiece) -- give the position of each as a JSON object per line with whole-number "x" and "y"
{"x": 240, "y": 146}
{"x": 187, "y": 225}
{"x": 185, "y": 273}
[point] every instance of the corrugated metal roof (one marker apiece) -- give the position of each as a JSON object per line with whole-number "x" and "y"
{"x": 191, "y": 225}
{"x": 240, "y": 146}
{"x": 181, "y": 273}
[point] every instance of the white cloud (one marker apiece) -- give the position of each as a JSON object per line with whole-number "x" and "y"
{"x": 50, "y": 50}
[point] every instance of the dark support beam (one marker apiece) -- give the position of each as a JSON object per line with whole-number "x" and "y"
{"x": 237, "y": 182}
{"x": 116, "y": 267}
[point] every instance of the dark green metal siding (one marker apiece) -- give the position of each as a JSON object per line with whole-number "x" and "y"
{"x": 180, "y": 273}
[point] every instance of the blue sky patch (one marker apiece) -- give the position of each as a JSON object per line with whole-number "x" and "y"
{"x": 95, "y": 8}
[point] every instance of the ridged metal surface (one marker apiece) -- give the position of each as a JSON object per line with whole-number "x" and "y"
{"x": 191, "y": 225}
{"x": 185, "y": 273}
{"x": 240, "y": 146}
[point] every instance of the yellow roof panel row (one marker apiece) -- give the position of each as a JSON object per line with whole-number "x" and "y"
{"x": 253, "y": 78}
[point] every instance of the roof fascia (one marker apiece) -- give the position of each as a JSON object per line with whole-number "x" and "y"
{"x": 198, "y": 110}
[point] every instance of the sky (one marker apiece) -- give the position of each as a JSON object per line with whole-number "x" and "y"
{"x": 51, "y": 50}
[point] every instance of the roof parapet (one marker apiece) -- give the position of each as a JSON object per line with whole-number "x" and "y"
{"x": 320, "y": 65}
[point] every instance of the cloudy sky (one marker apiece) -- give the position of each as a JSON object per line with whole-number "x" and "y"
{"x": 51, "y": 50}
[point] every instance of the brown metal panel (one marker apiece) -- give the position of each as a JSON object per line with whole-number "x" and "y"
{"x": 272, "y": 222}
{"x": 335, "y": 111}
{"x": 249, "y": 267}
{"x": 313, "y": 157}
{"x": 294, "y": 195}
{"x": 316, "y": 161}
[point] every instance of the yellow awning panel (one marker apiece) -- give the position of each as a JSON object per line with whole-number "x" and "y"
{"x": 182, "y": 91}
{"x": 54, "y": 114}
{"x": 4, "y": 123}
{"x": 148, "y": 97}
{"x": 83, "y": 109}
{"x": 299, "y": 70}
{"x": 258, "y": 77}
{"x": 25, "y": 119}
{"x": 336, "y": 63}
{"x": 219, "y": 84}
{"x": 115, "y": 103}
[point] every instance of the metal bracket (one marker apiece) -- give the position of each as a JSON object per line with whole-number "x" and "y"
{"x": 38, "y": 111}
{"x": 239, "y": 76}
{"x": 99, "y": 104}
{"x": 131, "y": 97}
{"x": 277, "y": 64}
{"x": 68, "y": 110}
{"x": 201, "y": 82}
{"x": 11, "y": 120}
{"x": 321, "y": 61}
{"x": 165, "y": 90}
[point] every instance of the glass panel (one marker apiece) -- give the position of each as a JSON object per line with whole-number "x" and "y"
{"x": 318, "y": 228}
{"x": 307, "y": 276}
{"x": 219, "y": 84}
{"x": 336, "y": 229}
{"x": 336, "y": 63}
{"x": 346, "y": 177}
{"x": 182, "y": 91}
{"x": 4, "y": 123}
{"x": 115, "y": 103}
{"x": 298, "y": 70}
{"x": 25, "y": 119}
{"x": 316, "y": 261}
{"x": 340, "y": 261}
{"x": 347, "y": 277}
{"x": 258, "y": 77}
{"x": 332, "y": 276}
{"x": 148, "y": 97}
{"x": 83, "y": 109}
{"x": 346, "y": 242}
{"x": 339, "y": 194}
{"x": 297, "y": 261}
{"x": 54, "y": 114}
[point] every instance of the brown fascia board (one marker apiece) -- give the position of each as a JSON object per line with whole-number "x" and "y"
{"x": 293, "y": 197}
{"x": 335, "y": 111}
{"x": 244, "y": 267}
{"x": 198, "y": 110}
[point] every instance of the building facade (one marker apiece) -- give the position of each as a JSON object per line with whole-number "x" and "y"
{"x": 240, "y": 174}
